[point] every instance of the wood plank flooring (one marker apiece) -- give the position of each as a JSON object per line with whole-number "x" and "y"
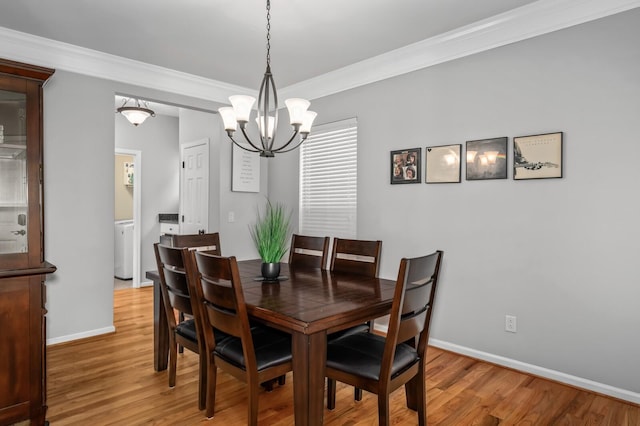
{"x": 109, "y": 380}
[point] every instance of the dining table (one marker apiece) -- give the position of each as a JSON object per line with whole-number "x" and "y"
{"x": 309, "y": 304}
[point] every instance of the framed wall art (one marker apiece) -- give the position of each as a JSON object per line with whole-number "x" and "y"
{"x": 245, "y": 170}
{"x": 487, "y": 159}
{"x": 442, "y": 164}
{"x": 537, "y": 156}
{"x": 405, "y": 166}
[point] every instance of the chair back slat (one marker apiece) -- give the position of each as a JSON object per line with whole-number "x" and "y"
{"x": 308, "y": 251}
{"x": 200, "y": 242}
{"x": 359, "y": 257}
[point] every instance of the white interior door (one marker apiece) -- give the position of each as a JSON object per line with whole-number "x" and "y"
{"x": 194, "y": 188}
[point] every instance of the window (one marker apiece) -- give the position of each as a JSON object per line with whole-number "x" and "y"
{"x": 328, "y": 180}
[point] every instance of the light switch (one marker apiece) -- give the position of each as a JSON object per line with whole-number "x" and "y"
{"x": 232, "y": 217}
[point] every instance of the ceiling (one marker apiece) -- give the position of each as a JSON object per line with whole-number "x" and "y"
{"x": 210, "y": 49}
{"x": 225, "y": 40}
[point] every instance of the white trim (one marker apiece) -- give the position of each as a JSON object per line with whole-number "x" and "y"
{"x": 519, "y": 24}
{"x": 534, "y": 19}
{"x": 36, "y": 50}
{"x": 83, "y": 335}
{"x": 536, "y": 370}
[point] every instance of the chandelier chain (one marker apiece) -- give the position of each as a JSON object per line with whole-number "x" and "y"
{"x": 268, "y": 32}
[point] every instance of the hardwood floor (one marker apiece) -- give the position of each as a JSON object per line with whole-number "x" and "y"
{"x": 110, "y": 380}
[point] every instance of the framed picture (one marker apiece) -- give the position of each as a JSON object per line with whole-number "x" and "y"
{"x": 442, "y": 164}
{"x": 487, "y": 159}
{"x": 537, "y": 156}
{"x": 245, "y": 170}
{"x": 405, "y": 166}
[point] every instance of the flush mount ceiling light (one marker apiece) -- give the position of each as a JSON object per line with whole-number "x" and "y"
{"x": 267, "y": 114}
{"x": 136, "y": 114}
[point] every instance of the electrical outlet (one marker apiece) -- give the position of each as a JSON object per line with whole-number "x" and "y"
{"x": 510, "y": 324}
{"x": 232, "y": 217}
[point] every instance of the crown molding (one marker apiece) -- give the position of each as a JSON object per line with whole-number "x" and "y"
{"x": 541, "y": 17}
{"x": 525, "y": 22}
{"x": 41, "y": 51}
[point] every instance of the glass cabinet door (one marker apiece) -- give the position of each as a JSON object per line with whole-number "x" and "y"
{"x": 13, "y": 173}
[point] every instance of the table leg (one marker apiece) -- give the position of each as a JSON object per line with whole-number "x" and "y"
{"x": 160, "y": 330}
{"x": 309, "y": 358}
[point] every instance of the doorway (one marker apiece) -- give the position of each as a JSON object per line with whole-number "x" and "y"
{"x": 128, "y": 175}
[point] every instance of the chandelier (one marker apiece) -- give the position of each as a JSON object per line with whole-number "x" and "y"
{"x": 136, "y": 114}
{"x": 267, "y": 115}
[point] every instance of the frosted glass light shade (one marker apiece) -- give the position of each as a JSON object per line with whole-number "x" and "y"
{"x": 242, "y": 106}
{"x": 297, "y": 108}
{"x": 307, "y": 122}
{"x": 135, "y": 115}
{"x": 228, "y": 118}
{"x": 270, "y": 123}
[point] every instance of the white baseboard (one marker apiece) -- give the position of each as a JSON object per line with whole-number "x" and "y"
{"x": 83, "y": 335}
{"x": 557, "y": 376}
{"x": 146, "y": 284}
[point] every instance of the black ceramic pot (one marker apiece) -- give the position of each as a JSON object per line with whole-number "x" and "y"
{"x": 270, "y": 271}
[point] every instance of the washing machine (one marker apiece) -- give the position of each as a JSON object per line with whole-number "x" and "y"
{"x": 123, "y": 250}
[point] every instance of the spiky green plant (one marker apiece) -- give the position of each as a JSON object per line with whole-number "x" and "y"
{"x": 271, "y": 232}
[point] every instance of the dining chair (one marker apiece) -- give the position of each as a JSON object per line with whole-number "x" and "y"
{"x": 360, "y": 257}
{"x": 176, "y": 297}
{"x": 309, "y": 251}
{"x": 209, "y": 242}
{"x": 252, "y": 353}
{"x": 382, "y": 364}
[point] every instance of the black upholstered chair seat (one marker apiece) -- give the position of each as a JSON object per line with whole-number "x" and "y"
{"x": 187, "y": 329}
{"x": 360, "y": 328}
{"x": 361, "y": 354}
{"x": 271, "y": 347}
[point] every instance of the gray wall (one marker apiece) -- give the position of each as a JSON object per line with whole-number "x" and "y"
{"x": 559, "y": 254}
{"x": 79, "y": 134}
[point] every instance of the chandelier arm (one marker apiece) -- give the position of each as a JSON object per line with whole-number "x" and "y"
{"x": 240, "y": 146}
{"x": 246, "y": 137}
{"x": 292, "y": 148}
{"x": 295, "y": 133}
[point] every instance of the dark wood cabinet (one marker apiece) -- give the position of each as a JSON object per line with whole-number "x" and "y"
{"x": 22, "y": 264}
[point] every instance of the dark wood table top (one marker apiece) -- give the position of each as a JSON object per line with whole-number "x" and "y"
{"x": 311, "y": 300}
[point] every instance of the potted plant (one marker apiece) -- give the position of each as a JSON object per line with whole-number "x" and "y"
{"x": 271, "y": 234}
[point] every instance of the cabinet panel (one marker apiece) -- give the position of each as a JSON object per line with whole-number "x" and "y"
{"x": 14, "y": 341}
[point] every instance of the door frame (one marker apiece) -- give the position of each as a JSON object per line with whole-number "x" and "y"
{"x": 137, "y": 197}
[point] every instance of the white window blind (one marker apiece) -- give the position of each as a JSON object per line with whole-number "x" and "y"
{"x": 328, "y": 180}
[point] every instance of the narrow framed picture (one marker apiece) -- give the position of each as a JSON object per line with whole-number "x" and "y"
{"x": 442, "y": 164}
{"x": 537, "y": 156}
{"x": 405, "y": 166}
{"x": 487, "y": 159}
